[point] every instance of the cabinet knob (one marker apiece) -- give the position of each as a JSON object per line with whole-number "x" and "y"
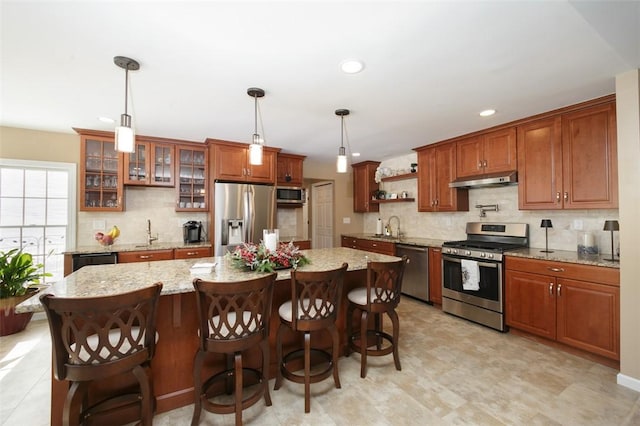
{"x": 479, "y": 164}
{"x": 484, "y": 163}
{"x": 145, "y": 256}
{"x": 559, "y": 290}
{"x": 566, "y": 196}
{"x": 551, "y": 289}
{"x": 555, "y": 269}
{"x": 558, "y": 196}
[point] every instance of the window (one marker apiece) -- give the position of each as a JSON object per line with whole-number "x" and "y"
{"x": 37, "y": 210}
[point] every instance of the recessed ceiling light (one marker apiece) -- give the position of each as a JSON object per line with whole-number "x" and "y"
{"x": 355, "y": 154}
{"x": 352, "y": 66}
{"x": 487, "y": 112}
{"x": 107, "y": 120}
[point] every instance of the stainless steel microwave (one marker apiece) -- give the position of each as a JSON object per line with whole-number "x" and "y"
{"x": 290, "y": 195}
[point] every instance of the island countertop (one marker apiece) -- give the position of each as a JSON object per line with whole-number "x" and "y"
{"x": 176, "y": 277}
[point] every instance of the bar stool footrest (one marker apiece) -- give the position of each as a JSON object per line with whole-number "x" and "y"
{"x": 314, "y": 378}
{"x": 218, "y": 408}
{"x": 356, "y": 347}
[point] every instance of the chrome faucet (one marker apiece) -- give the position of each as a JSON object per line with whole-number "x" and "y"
{"x": 150, "y": 239}
{"x": 389, "y": 225}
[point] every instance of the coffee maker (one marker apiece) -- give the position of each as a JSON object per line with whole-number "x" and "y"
{"x": 192, "y": 231}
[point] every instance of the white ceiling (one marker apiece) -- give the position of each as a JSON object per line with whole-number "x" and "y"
{"x": 430, "y": 67}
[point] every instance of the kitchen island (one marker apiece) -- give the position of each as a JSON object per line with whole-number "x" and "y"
{"x": 177, "y": 323}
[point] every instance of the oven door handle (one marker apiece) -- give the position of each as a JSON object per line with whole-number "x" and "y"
{"x": 495, "y": 265}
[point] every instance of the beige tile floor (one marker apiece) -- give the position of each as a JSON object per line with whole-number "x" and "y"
{"x": 454, "y": 372}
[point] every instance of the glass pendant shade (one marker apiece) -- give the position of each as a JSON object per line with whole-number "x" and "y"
{"x": 125, "y": 137}
{"x": 341, "y": 163}
{"x": 255, "y": 153}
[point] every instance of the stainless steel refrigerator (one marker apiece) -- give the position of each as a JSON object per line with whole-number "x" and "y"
{"x": 241, "y": 212}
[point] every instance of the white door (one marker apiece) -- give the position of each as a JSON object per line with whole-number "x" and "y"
{"x": 322, "y": 215}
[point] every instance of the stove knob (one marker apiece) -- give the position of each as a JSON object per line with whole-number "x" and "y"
{"x": 454, "y": 251}
{"x": 490, "y": 255}
{"x": 482, "y": 254}
{"x": 468, "y": 253}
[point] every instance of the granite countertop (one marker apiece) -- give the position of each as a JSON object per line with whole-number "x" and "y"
{"x": 104, "y": 280}
{"x": 97, "y": 248}
{"x": 422, "y": 242}
{"x": 564, "y": 256}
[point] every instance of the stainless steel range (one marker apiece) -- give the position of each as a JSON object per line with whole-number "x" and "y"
{"x": 473, "y": 271}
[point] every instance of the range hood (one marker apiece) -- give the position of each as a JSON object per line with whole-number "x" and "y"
{"x": 495, "y": 179}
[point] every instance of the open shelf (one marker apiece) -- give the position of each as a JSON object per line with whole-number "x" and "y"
{"x": 400, "y": 177}
{"x": 397, "y": 200}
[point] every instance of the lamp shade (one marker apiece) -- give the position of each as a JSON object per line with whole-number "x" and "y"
{"x": 546, "y": 223}
{"x": 611, "y": 225}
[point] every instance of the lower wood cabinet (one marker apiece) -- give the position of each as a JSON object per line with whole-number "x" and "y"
{"x": 303, "y": 244}
{"x": 435, "y": 275}
{"x": 578, "y": 305}
{"x": 188, "y": 253}
{"x": 144, "y": 256}
{"x": 382, "y": 247}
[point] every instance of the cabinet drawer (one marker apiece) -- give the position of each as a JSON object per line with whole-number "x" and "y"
{"x": 599, "y": 274}
{"x": 382, "y": 247}
{"x": 303, "y": 244}
{"x": 144, "y": 256}
{"x": 188, "y": 253}
{"x": 349, "y": 242}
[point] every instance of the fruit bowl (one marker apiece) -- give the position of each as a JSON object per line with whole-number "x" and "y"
{"x": 109, "y": 238}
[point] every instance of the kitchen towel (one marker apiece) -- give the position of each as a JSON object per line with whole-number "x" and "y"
{"x": 470, "y": 274}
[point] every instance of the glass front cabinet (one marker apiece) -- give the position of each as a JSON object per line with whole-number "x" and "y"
{"x": 191, "y": 170}
{"x": 101, "y": 185}
{"x": 150, "y": 165}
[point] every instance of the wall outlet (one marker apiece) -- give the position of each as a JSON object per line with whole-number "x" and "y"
{"x": 346, "y": 220}
{"x": 577, "y": 224}
{"x": 99, "y": 225}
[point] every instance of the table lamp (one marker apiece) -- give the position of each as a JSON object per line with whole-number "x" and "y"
{"x": 611, "y": 225}
{"x": 546, "y": 224}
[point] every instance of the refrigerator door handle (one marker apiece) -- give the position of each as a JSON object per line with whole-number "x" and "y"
{"x": 248, "y": 213}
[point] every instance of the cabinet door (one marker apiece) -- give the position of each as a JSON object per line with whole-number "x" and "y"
{"x": 426, "y": 180}
{"x": 448, "y": 199}
{"x": 469, "y": 157}
{"x": 363, "y": 186}
{"x": 101, "y": 186}
{"x": 435, "y": 275}
{"x": 289, "y": 170}
{"x": 192, "y": 187}
{"x": 349, "y": 242}
{"x": 540, "y": 165}
{"x": 590, "y": 158}
{"x": 136, "y": 165}
{"x": 264, "y": 173}
{"x": 382, "y": 247}
{"x": 230, "y": 162}
{"x": 588, "y": 317}
{"x": 500, "y": 151}
{"x": 530, "y": 303}
{"x": 162, "y": 165}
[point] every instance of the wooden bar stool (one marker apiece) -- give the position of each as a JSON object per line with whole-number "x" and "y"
{"x": 233, "y": 317}
{"x": 314, "y": 305}
{"x": 98, "y": 338}
{"x": 380, "y": 296}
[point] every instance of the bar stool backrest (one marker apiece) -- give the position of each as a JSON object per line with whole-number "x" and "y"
{"x": 234, "y": 315}
{"x": 316, "y": 297}
{"x": 384, "y": 284}
{"x": 98, "y": 337}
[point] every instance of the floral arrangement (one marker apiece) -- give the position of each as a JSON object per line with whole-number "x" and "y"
{"x": 258, "y": 258}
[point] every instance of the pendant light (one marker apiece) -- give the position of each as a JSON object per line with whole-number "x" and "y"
{"x": 255, "y": 149}
{"x": 125, "y": 136}
{"x": 341, "y": 163}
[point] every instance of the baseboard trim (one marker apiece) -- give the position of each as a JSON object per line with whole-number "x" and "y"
{"x": 628, "y": 382}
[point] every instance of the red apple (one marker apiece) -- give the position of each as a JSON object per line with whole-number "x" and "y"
{"x": 99, "y": 236}
{"x": 107, "y": 240}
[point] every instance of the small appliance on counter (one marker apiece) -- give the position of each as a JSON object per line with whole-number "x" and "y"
{"x": 192, "y": 232}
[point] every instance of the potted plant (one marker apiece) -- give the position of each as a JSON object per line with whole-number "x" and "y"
{"x": 18, "y": 275}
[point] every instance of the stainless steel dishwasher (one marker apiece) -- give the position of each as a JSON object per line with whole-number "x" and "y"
{"x": 84, "y": 259}
{"x": 416, "y": 274}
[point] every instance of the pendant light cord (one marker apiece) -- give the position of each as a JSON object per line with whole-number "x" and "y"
{"x": 126, "y": 88}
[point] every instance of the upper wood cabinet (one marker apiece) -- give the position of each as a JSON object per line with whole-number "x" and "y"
{"x": 289, "y": 169}
{"x": 230, "y": 161}
{"x": 152, "y": 164}
{"x": 487, "y": 153}
{"x": 569, "y": 161}
{"x": 101, "y": 184}
{"x": 364, "y": 184}
{"x": 436, "y": 169}
{"x": 193, "y": 183}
